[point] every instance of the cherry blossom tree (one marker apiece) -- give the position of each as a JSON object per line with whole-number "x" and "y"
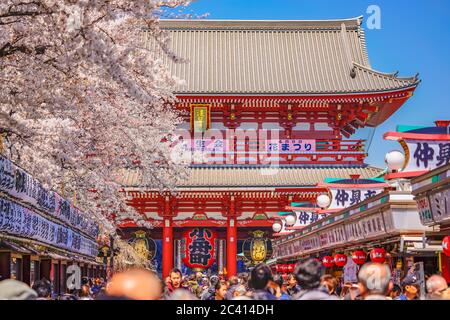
{"x": 82, "y": 98}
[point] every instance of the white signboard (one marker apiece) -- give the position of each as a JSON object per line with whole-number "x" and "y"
{"x": 346, "y": 197}
{"x": 350, "y": 271}
{"x": 427, "y": 155}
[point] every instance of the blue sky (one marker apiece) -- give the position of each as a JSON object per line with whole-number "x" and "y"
{"x": 414, "y": 37}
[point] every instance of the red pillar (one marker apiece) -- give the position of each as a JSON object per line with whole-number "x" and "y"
{"x": 231, "y": 246}
{"x": 167, "y": 246}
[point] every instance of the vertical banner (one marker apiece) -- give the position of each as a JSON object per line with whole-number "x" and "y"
{"x": 200, "y": 117}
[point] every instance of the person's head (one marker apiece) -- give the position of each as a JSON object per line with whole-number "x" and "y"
{"x": 260, "y": 276}
{"x": 276, "y": 285}
{"x": 411, "y": 291}
{"x": 213, "y": 280}
{"x": 308, "y": 274}
{"x": 85, "y": 292}
{"x": 436, "y": 285}
{"x": 291, "y": 280}
{"x": 220, "y": 290}
{"x": 374, "y": 279}
{"x": 233, "y": 281}
{"x": 330, "y": 283}
{"x": 135, "y": 284}
{"x": 410, "y": 286}
{"x": 396, "y": 291}
{"x": 243, "y": 278}
{"x": 43, "y": 288}
{"x": 199, "y": 276}
{"x": 239, "y": 291}
{"x": 11, "y": 289}
{"x": 175, "y": 277}
{"x": 192, "y": 277}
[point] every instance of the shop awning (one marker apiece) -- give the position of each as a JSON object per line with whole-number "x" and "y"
{"x": 10, "y": 245}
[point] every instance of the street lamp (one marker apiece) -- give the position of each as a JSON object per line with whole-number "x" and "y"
{"x": 323, "y": 201}
{"x": 395, "y": 160}
{"x": 290, "y": 220}
{"x": 276, "y": 226}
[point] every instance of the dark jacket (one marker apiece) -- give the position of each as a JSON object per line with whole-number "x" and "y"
{"x": 262, "y": 295}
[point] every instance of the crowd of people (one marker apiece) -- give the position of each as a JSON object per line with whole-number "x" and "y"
{"x": 307, "y": 282}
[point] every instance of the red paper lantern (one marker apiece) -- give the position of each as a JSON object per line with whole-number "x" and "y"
{"x": 340, "y": 259}
{"x": 446, "y": 246}
{"x": 328, "y": 261}
{"x": 199, "y": 248}
{"x": 359, "y": 257}
{"x": 290, "y": 267}
{"x": 378, "y": 255}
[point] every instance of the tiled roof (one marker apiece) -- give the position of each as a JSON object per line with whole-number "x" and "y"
{"x": 274, "y": 57}
{"x": 215, "y": 177}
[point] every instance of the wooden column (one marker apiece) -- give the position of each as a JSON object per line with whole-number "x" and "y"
{"x": 167, "y": 237}
{"x": 231, "y": 240}
{"x": 167, "y": 246}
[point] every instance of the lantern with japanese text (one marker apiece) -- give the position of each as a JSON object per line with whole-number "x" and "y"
{"x": 359, "y": 257}
{"x": 446, "y": 246}
{"x": 145, "y": 247}
{"x": 291, "y": 268}
{"x": 378, "y": 255}
{"x": 340, "y": 259}
{"x": 258, "y": 248}
{"x": 199, "y": 248}
{"x": 328, "y": 261}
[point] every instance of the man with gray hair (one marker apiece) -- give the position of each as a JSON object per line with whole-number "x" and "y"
{"x": 436, "y": 285}
{"x": 374, "y": 281}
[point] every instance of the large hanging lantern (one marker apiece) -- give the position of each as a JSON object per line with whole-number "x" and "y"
{"x": 258, "y": 248}
{"x": 328, "y": 261}
{"x": 144, "y": 247}
{"x": 199, "y": 248}
{"x": 340, "y": 259}
{"x": 359, "y": 257}
{"x": 446, "y": 246}
{"x": 378, "y": 255}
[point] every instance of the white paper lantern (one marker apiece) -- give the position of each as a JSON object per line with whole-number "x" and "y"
{"x": 394, "y": 160}
{"x": 276, "y": 227}
{"x": 323, "y": 201}
{"x": 290, "y": 220}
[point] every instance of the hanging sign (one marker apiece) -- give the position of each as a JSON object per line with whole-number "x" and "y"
{"x": 18, "y": 220}
{"x": 21, "y": 185}
{"x": 290, "y": 146}
{"x": 200, "y": 117}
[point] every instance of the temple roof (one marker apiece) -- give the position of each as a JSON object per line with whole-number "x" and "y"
{"x": 226, "y": 57}
{"x": 229, "y": 177}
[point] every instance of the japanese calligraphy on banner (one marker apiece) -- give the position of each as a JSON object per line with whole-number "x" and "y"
{"x": 424, "y": 155}
{"x": 204, "y": 145}
{"x": 303, "y": 219}
{"x": 21, "y": 185}
{"x": 425, "y": 214}
{"x": 291, "y": 146}
{"x": 18, "y": 220}
{"x": 345, "y": 197}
